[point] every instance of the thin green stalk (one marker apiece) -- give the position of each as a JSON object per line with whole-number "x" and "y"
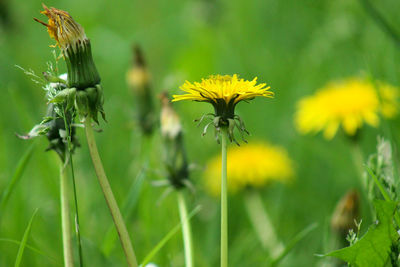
{"x": 224, "y": 201}
{"x": 262, "y": 224}
{"x": 381, "y": 21}
{"x": 358, "y": 162}
{"x": 19, "y": 171}
{"x": 109, "y": 196}
{"x": 298, "y": 237}
{"x": 167, "y": 237}
{"x": 65, "y": 218}
{"x": 186, "y": 231}
{"x": 24, "y": 241}
{"x": 71, "y": 163}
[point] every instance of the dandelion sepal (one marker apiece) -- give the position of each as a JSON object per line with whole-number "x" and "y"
{"x": 82, "y": 72}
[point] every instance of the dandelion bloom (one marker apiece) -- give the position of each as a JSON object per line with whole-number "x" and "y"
{"x": 349, "y": 104}
{"x": 224, "y": 92}
{"x": 253, "y": 165}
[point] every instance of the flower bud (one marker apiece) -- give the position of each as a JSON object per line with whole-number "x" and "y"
{"x": 138, "y": 80}
{"x": 171, "y": 126}
{"x": 175, "y": 158}
{"x": 345, "y": 214}
{"x": 53, "y": 127}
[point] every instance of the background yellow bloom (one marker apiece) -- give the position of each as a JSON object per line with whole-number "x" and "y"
{"x": 252, "y": 165}
{"x": 349, "y": 104}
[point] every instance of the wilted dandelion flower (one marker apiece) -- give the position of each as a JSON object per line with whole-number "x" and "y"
{"x": 253, "y": 165}
{"x": 224, "y": 92}
{"x": 349, "y": 104}
{"x": 83, "y": 84}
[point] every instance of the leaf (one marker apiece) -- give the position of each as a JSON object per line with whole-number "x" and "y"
{"x": 373, "y": 249}
{"x": 24, "y": 241}
{"x": 19, "y": 171}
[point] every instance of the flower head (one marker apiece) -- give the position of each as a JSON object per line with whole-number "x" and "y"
{"x": 83, "y": 89}
{"x": 224, "y": 92}
{"x": 349, "y": 103}
{"x": 138, "y": 79}
{"x": 253, "y": 165}
{"x": 62, "y": 27}
{"x": 346, "y": 213}
{"x": 175, "y": 159}
{"x": 170, "y": 123}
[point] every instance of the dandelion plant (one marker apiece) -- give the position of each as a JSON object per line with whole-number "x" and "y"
{"x": 177, "y": 166}
{"x": 224, "y": 92}
{"x": 84, "y": 95}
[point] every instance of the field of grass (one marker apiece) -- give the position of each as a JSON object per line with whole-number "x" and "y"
{"x": 294, "y": 46}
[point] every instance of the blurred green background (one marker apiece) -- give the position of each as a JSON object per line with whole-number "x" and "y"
{"x": 294, "y": 46}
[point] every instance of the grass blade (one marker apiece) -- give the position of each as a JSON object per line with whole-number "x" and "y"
{"x": 24, "y": 241}
{"x": 293, "y": 242}
{"x": 19, "y": 171}
{"x": 38, "y": 251}
{"x": 167, "y": 237}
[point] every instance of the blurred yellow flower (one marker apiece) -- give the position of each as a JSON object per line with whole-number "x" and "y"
{"x": 252, "y": 165}
{"x": 349, "y": 103}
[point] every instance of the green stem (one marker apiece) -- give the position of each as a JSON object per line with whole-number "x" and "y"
{"x": 262, "y": 224}
{"x": 359, "y": 162}
{"x": 224, "y": 202}
{"x": 109, "y": 196}
{"x": 186, "y": 231}
{"x": 65, "y": 218}
{"x": 71, "y": 164}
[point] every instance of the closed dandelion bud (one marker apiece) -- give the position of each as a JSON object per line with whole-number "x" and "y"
{"x": 171, "y": 126}
{"x": 138, "y": 80}
{"x": 175, "y": 157}
{"x": 53, "y": 127}
{"x": 76, "y": 49}
{"x": 57, "y": 135}
{"x": 345, "y": 214}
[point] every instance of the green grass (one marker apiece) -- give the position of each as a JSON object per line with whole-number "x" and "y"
{"x": 294, "y": 46}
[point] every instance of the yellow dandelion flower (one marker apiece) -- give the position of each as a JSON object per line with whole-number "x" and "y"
{"x": 224, "y": 92}
{"x": 349, "y": 104}
{"x": 253, "y": 165}
{"x": 62, "y": 27}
